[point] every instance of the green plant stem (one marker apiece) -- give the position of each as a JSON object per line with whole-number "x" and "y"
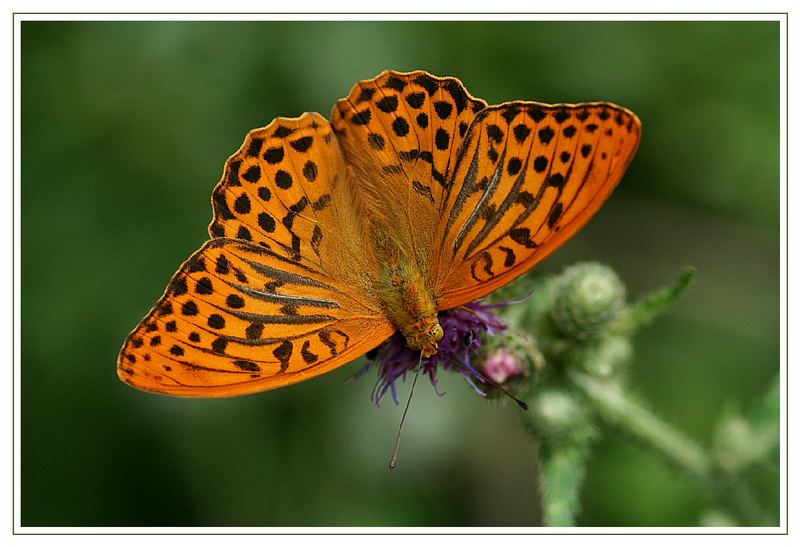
{"x": 563, "y": 467}
{"x": 617, "y": 407}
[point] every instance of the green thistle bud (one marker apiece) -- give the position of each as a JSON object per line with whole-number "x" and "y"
{"x": 589, "y": 300}
{"x": 556, "y": 414}
{"x": 602, "y": 358}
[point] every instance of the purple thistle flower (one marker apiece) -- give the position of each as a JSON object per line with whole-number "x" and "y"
{"x": 465, "y": 330}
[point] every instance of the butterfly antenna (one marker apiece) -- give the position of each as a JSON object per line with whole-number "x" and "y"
{"x": 395, "y": 452}
{"x": 458, "y": 364}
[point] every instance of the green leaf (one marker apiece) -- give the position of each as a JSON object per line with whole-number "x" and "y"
{"x": 644, "y": 311}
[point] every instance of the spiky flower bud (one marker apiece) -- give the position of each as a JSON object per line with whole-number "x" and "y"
{"x": 556, "y": 414}
{"x": 589, "y": 300}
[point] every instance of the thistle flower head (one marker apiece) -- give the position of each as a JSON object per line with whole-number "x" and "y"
{"x": 466, "y": 329}
{"x": 502, "y": 365}
{"x": 590, "y": 298}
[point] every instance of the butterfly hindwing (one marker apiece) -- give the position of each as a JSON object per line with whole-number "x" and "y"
{"x": 409, "y": 124}
{"x": 238, "y": 318}
{"x": 527, "y": 177}
{"x": 276, "y": 190}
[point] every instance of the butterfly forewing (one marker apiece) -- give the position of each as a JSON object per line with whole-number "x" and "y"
{"x": 527, "y": 178}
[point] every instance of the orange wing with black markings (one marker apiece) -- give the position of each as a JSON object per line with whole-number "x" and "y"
{"x": 527, "y": 178}
{"x": 238, "y": 318}
{"x": 286, "y": 288}
{"x": 400, "y": 133}
{"x": 281, "y": 293}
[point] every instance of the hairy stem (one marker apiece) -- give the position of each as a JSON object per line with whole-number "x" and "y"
{"x": 617, "y": 407}
{"x": 563, "y": 468}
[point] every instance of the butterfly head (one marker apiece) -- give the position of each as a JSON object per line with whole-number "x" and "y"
{"x": 425, "y": 336}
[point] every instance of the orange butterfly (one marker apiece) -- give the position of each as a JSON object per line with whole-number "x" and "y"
{"x": 328, "y": 237}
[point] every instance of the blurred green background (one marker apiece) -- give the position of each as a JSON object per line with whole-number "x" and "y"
{"x": 126, "y": 127}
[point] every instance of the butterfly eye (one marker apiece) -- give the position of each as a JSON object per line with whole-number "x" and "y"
{"x": 437, "y": 333}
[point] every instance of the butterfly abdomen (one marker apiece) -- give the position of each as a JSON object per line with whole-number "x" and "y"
{"x": 405, "y": 296}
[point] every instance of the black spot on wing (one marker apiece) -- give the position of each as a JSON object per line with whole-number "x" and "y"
{"x": 388, "y": 104}
{"x": 242, "y": 204}
{"x": 561, "y": 115}
{"x": 361, "y": 118}
{"x": 248, "y": 366}
{"x": 325, "y": 338}
{"x": 458, "y": 94}
{"x": 400, "y": 127}
{"x": 266, "y": 222}
{"x": 219, "y": 345}
{"x": 274, "y": 155}
{"x": 179, "y": 286}
{"x": 204, "y": 286}
{"x": 254, "y": 330}
{"x": 546, "y": 135}
{"x": 555, "y": 214}
{"x": 366, "y": 94}
{"x": 302, "y": 144}
{"x": 395, "y": 83}
{"x": 427, "y": 83}
{"x": 282, "y": 132}
{"x": 521, "y": 132}
{"x": 523, "y": 237}
{"x": 232, "y": 173}
{"x": 495, "y": 133}
{"x": 376, "y": 141}
{"x": 252, "y": 174}
{"x": 310, "y": 171}
{"x": 307, "y": 355}
{"x": 196, "y": 264}
{"x": 416, "y": 99}
{"x": 442, "y": 139}
{"x": 216, "y": 321}
{"x": 283, "y": 179}
{"x": 234, "y": 301}
{"x": 537, "y": 113}
{"x": 244, "y": 233}
{"x": 510, "y": 258}
{"x": 408, "y": 155}
{"x": 443, "y": 109}
{"x": 283, "y": 353}
{"x": 316, "y": 239}
{"x": 509, "y": 114}
{"x": 254, "y": 148}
